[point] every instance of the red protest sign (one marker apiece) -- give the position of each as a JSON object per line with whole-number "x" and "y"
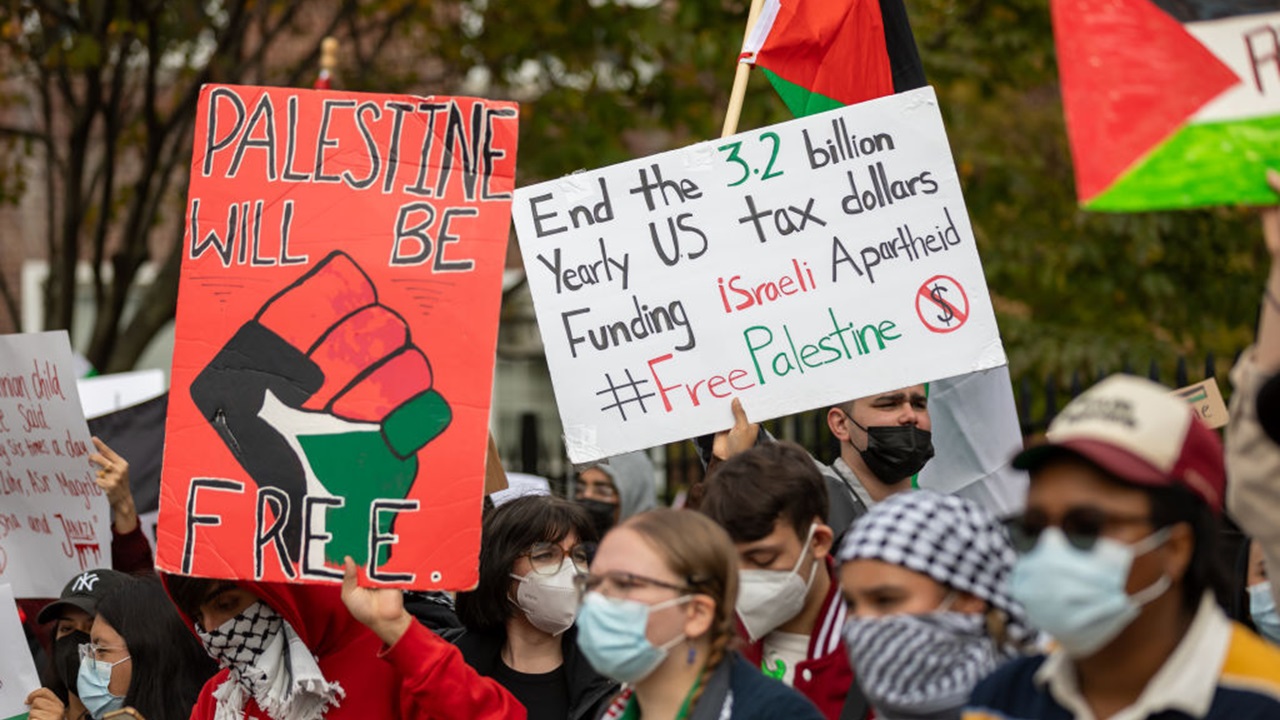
{"x": 336, "y": 326}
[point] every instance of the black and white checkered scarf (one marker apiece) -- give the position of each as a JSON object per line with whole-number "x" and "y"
{"x": 950, "y": 539}
{"x": 271, "y": 664}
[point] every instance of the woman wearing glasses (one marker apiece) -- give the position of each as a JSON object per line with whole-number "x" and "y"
{"x": 657, "y": 615}
{"x": 139, "y": 655}
{"x": 519, "y": 619}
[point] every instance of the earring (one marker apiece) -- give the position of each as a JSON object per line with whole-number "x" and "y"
{"x": 693, "y": 653}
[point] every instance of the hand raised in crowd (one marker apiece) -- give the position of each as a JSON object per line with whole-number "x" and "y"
{"x": 381, "y": 609}
{"x": 739, "y": 438}
{"x": 113, "y": 478}
{"x": 1268, "y": 343}
{"x": 44, "y": 705}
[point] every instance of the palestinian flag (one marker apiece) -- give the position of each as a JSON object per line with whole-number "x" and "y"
{"x": 824, "y": 54}
{"x": 1170, "y": 103}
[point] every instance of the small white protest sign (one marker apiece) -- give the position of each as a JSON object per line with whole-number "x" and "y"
{"x": 54, "y": 520}
{"x": 18, "y": 676}
{"x": 799, "y": 265}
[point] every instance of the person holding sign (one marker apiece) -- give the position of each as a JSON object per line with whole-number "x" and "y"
{"x": 519, "y": 619}
{"x": 1118, "y": 561}
{"x": 884, "y": 441}
{"x": 772, "y": 501}
{"x": 657, "y": 616}
{"x": 295, "y": 652}
{"x": 926, "y": 580}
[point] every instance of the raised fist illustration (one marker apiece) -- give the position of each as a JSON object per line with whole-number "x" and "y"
{"x": 323, "y": 393}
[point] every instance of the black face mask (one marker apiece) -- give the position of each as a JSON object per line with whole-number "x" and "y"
{"x": 601, "y": 514}
{"x": 895, "y": 452}
{"x": 66, "y": 657}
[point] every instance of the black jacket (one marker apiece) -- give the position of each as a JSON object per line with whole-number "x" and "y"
{"x": 589, "y": 691}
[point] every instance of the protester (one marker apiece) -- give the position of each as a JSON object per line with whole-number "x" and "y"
{"x": 925, "y": 577}
{"x": 519, "y": 619}
{"x": 772, "y": 500}
{"x": 657, "y": 615}
{"x": 1253, "y": 457}
{"x": 1118, "y": 562}
{"x": 1258, "y": 605}
{"x": 884, "y": 441}
{"x": 138, "y": 655}
{"x": 615, "y": 489}
{"x": 72, "y": 617}
{"x": 295, "y": 652}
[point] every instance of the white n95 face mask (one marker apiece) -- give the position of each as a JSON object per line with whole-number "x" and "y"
{"x": 549, "y": 601}
{"x": 769, "y": 598}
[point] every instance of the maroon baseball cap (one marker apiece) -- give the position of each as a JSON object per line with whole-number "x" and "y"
{"x": 1138, "y": 431}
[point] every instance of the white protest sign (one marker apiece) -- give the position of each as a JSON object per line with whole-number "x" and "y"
{"x": 807, "y": 263}
{"x": 54, "y": 520}
{"x": 18, "y": 676}
{"x": 104, "y": 394}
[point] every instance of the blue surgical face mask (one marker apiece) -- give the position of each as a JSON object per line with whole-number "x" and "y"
{"x": 611, "y": 634}
{"x": 91, "y": 686}
{"x": 1078, "y": 596}
{"x": 1262, "y": 608}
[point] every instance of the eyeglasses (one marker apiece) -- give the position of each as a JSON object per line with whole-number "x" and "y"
{"x": 547, "y": 558}
{"x": 93, "y": 651}
{"x": 1081, "y": 525}
{"x": 623, "y": 583}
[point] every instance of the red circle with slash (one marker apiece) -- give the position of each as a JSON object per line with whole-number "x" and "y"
{"x": 942, "y": 304}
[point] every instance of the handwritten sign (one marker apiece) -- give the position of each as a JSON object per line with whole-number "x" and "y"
{"x": 1205, "y": 398}
{"x": 808, "y": 263}
{"x": 18, "y": 676}
{"x": 54, "y": 520}
{"x": 336, "y": 327}
{"x": 1170, "y": 104}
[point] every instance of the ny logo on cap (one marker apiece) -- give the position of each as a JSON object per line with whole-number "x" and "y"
{"x": 85, "y": 582}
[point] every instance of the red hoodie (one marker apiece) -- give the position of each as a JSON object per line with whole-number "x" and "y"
{"x": 420, "y": 677}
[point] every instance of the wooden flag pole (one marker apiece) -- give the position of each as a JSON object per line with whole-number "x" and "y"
{"x": 740, "y": 78}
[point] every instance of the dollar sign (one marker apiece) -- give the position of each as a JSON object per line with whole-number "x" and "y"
{"x": 936, "y": 295}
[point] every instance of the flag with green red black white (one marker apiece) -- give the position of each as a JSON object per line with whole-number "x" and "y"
{"x": 1170, "y": 103}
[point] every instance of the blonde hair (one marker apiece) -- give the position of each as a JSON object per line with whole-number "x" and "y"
{"x": 701, "y": 554}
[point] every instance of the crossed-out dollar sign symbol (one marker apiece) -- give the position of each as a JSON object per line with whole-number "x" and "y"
{"x": 935, "y": 294}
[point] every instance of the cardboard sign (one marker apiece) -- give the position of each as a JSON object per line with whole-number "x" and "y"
{"x": 336, "y": 328}
{"x": 1206, "y": 399}
{"x": 1170, "y": 104}
{"x": 808, "y": 263}
{"x": 18, "y": 677}
{"x": 54, "y": 519}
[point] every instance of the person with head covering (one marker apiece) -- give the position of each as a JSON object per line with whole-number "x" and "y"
{"x": 615, "y": 489}
{"x": 926, "y": 577}
{"x": 72, "y": 617}
{"x": 138, "y": 654}
{"x": 1118, "y": 561}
